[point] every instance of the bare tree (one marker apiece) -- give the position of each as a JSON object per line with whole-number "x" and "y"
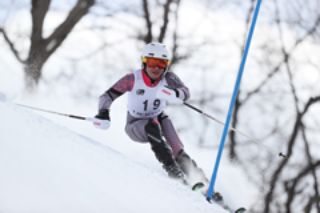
{"x": 292, "y": 184}
{"x": 311, "y": 165}
{"x": 241, "y": 102}
{"x": 147, "y": 11}
{"x": 42, "y": 48}
{"x": 238, "y": 103}
{"x": 169, "y": 15}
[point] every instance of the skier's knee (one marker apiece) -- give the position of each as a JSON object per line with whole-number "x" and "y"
{"x": 153, "y": 131}
{"x": 135, "y": 133}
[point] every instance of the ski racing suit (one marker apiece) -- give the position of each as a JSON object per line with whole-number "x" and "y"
{"x": 136, "y": 84}
{"x": 145, "y": 110}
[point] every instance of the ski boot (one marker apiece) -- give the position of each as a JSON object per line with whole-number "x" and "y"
{"x": 174, "y": 171}
{"x": 190, "y": 168}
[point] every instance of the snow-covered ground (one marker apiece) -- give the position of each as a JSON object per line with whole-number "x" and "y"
{"x": 48, "y": 168}
{"x": 50, "y": 163}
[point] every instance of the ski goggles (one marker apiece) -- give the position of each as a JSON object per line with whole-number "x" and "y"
{"x": 156, "y": 62}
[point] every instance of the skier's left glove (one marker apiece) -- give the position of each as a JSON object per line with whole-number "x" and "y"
{"x": 102, "y": 119}
{"x": 170, "y": 95}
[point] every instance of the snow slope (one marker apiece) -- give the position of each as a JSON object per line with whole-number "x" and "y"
{"x": 48, "y": 168}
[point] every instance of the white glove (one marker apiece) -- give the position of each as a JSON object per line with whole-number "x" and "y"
{"x": 101, "y": 124}
{"x": 102, "y": 119}
{"x": 169, "y": 95}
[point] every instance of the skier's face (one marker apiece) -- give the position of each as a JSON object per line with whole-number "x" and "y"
{"x": 155, "y": 67}
{"x": 154, "y": 72}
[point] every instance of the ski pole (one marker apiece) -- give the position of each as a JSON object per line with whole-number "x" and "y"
{"x": 56, "y": 113}
{"x": 256, "y": 141}
{"x": 216, "y": 120}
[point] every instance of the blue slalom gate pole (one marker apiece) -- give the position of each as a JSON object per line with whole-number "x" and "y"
{"x": 232, "y": 102}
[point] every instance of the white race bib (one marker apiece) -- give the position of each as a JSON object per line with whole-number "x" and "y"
{"x": 142, "y": 99}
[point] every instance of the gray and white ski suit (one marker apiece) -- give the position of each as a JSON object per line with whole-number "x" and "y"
{"x": 143, "y": 105}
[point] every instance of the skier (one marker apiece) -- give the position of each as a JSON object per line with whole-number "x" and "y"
{"x": 150, "y": 89}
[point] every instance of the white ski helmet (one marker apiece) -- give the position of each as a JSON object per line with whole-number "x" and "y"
{"x": 155, "y": 50}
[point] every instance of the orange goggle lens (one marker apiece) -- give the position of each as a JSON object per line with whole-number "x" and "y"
{"x": 155, "y": 62}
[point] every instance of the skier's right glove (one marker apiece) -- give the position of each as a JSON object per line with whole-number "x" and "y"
{"x": 102, "y": 119}
{"x": 170, "y": 95}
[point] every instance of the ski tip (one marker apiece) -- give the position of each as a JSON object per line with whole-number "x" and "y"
{"x": 241, "y": 210}
{"x": 197, "y": 186}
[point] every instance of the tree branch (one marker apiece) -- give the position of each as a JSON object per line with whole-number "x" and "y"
{"x": 11, "y": 46}
{"x": 175, "y": 45}
{"x": 298, "y": 124}
{"x": 145, "y": 6}
{"x": 294, "y": 182}
{"x": 314, "y": 173}
{"x": 235, "y": 115}
{"x": 276, "y": 69}
{"x": 59, "y": 35}
{"x": 166, "y": 11}
{"x": 39, "y": 10}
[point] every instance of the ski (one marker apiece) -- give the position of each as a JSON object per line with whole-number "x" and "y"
{"x": 217, "y": 198}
